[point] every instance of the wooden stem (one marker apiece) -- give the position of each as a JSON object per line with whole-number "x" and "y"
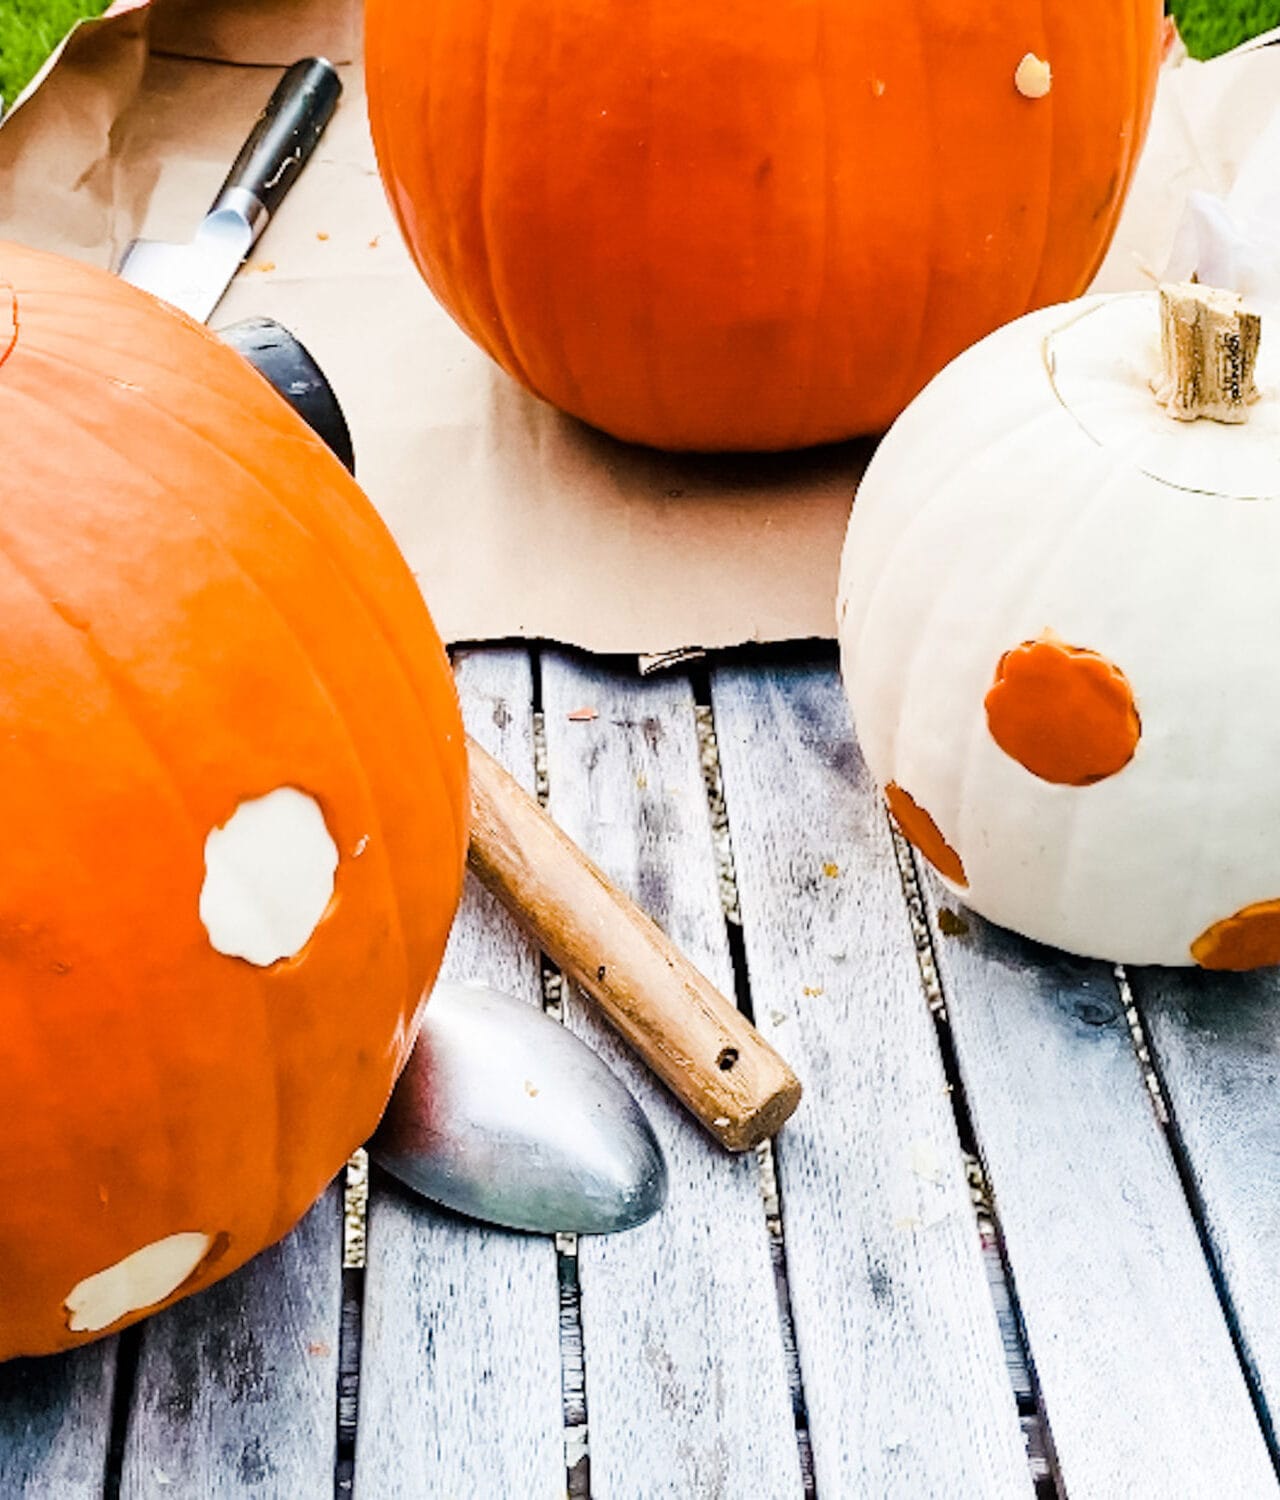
{"x": 1208, "y": 346}
{"x": 700, "y": 1045}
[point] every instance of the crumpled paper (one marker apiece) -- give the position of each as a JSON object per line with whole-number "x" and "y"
{"x": 517, "y": 521}
{"x": 1206, "y": 198}
{"x": 1232, "y": 240}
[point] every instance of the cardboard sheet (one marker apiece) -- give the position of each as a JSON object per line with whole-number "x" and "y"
{"x": 518, "y": 522}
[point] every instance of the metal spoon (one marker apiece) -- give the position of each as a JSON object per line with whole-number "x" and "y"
{"x": 505, "y": 1115}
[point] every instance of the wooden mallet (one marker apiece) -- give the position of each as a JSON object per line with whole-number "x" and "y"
{"x": 702, "y": 1047}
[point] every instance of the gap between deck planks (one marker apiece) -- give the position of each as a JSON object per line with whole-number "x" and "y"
{"x": 55, "y": 1424}
{"x": 460, "y": 1369}
{"x": 685, "y": 1377}
{"x": 904, "y": 1372}
{"x": 1132, "y": 1354}
{"x": 1214, "y": 1041}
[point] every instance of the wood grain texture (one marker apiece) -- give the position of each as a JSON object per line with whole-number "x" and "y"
{"x": 1132, "y": 1353}
{"x": 900, "y": 1352}
{"x": 686, "y": 1380}
{"x": 699, "y": 1044}
{"x": 237, "y": 1387}
{"x": 55, "y": 1424}
{"x": 1215, "y": 1039}
{"x": 460, "y": 1372}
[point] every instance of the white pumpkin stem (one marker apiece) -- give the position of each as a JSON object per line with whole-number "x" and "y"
{"x": 1208, "y": 345}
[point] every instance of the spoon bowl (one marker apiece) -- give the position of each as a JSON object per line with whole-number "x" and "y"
{"x": 503, "y": 1114}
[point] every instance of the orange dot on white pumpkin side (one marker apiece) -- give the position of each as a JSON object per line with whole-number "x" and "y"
{"x": 269, "y": 877}
{"x": 137, "y": 1282}
{"x": 919, "y": 829}
{"x": 1248, "y": 939}
{"x": 1064, "y": 713}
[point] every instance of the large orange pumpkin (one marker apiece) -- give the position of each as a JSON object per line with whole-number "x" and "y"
{"x": 219, "y": 688}
{"x": 718, "y": 224}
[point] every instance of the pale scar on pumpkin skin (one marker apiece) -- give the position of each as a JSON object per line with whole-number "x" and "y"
{"x": 1033, "y": 77}
{"x": 1064, "y": 713}
{"x": 269, "y": 877}
{"x": 1249, "y": 939}
{"x": 919, "y": 829}
{"x": 137, "y": 1282}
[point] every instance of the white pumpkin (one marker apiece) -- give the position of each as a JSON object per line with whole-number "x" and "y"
{"x": 1060, "y": 638}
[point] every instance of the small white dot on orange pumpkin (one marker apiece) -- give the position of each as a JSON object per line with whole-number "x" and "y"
{"x": 1033, "y": 77}
{"x": 269, "y": 877}
{"x": 137, "y": 1282}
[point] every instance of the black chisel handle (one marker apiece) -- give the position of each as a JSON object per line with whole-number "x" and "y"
{"x": 282, "y": 141}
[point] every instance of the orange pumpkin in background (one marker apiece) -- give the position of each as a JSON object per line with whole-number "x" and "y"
{"x": 738, "y": 224}
{"x": 232, "y": 781}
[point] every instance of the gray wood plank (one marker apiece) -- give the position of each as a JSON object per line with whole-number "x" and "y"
{"x": 460, "y": 1390}
{"x": 1131, "y": 1351}
{"x": 900, "y": 1352}
{"x": 685, "y": 1376}
{"x": 236, "y": 1392}
{"x": 55, "y": 1424}
{"x": 1215, "y": 1040}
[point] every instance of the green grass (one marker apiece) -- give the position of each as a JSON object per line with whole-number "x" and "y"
{"x": 29, "y": 31}
{"x": 1212, "y": 26}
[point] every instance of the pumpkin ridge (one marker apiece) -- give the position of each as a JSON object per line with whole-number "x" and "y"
{"x": 921, "y": 303}
{"x": 286, "y": 429}
{"x": 567, "y": 373}
{"x": 513, "y": 361}
{"x": 1133, "y": 140}
{"x": 650, "y": 351}
{"x": 103, "y": 662}
{"x": 459, "y": 303}
{"x": 1045, "y": 106}
{"x": 389, "y": 637}
{"x": 804, "y": 389}
{"x": 9, "y": 315}
{"x": 178, "y": 803}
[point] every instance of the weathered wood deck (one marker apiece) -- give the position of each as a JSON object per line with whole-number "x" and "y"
{"x": 1022, "y": 1237}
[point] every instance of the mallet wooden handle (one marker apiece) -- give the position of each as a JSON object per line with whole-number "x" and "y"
{"x": 704, "y": 1049}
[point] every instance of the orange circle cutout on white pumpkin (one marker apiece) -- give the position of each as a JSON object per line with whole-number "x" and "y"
{"x": 919, "y": 829}
{"x": 1064, "y": 712}
{"x": 1250, "y": 939}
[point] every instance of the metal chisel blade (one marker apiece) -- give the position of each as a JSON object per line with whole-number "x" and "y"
{"x": 192, "y": 276}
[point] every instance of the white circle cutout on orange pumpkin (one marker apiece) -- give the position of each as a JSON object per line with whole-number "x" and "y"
{"x": 138, "y": 1281}
{"x": 269, "y": 877}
